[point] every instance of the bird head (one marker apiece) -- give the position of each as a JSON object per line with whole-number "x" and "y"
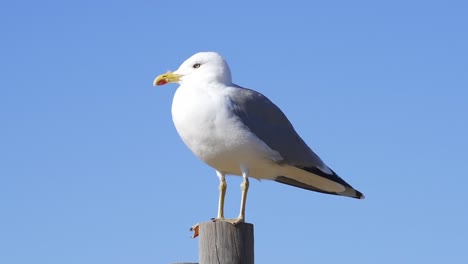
{"x": 202, "y": 67}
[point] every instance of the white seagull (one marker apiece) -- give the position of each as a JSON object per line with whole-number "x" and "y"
{"x": 239, "y": 131}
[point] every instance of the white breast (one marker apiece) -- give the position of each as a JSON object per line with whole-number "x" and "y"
{"x": 207, "y": 126}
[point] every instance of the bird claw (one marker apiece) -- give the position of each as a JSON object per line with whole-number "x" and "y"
{"x": 232, "y": 221}
{"x": 196, "y": 228}
{"x": 238, "y": 221}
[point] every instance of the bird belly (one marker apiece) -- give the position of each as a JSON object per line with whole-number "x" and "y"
{"x": 219, "y": 138}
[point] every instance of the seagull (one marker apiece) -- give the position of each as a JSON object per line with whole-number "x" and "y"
{"x": 239, "y": 131}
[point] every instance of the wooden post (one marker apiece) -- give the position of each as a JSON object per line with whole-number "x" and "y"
{"x": 221, "y": 242}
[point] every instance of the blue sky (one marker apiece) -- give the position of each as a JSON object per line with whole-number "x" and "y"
{"x": 93, "y": 171}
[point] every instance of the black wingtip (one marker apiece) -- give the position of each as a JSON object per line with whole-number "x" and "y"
{"x": 360, "y": 195}
{"x": 349, "y": 192}
{"x": 334, "y": 177}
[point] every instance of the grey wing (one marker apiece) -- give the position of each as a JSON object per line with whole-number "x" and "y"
{"x": 268, "y": 122}
{"x": 263, "y": 118}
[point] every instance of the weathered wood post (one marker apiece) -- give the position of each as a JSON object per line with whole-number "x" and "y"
{"x": 221, "y": 242}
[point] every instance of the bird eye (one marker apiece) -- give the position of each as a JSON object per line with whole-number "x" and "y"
{"x": 196, "y": 65}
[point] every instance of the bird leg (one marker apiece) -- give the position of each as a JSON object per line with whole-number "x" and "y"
{"x": 222, "y": 194}
{"x": 244, "y": 187}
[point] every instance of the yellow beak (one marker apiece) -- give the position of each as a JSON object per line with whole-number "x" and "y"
{"x": 168, "y": 77}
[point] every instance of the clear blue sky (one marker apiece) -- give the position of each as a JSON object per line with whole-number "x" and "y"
{"x": 93, "y": 171}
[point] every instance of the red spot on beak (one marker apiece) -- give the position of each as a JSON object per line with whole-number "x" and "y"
{"x": 161, "y": 82}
